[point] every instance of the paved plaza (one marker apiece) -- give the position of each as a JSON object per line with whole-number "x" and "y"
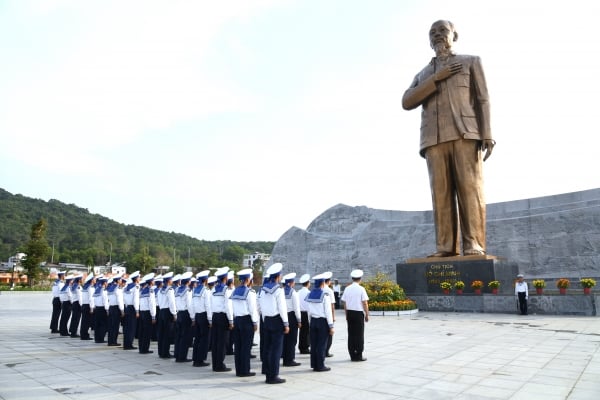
{"x": 420, "y": 356}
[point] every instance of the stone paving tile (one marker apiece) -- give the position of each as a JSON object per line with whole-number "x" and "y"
{"x": 420, "y": 357}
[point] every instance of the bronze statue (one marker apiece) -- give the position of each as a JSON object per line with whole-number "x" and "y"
{"x": 455, "y": 131}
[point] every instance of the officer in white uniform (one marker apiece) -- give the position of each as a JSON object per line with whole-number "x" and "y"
{"x": 131, "y": 300}
{"x": 202, "y": 315}
{"x": 116, "y": 309}
{"x": 65, "y": 303}
{"x": 245, "y": 322}
{"x": 166, "y": 317}
{"x": 87, "y": 291}
{"x": 304, "y": 332}
{"x": 99, "y": 307}
{"x": 275, "y": 323}
{"x": 147, "y": 313}
{"x": 327, "y": 275}
{"x": 319, "y": 305}
{"x": 356, "y": 307}
{"x": 522, "y": 293}
{"x": 292, "y": 303}
{"x": 56, "y": 306}
{"x": 185, "y": 318}
{"x": 222, "y": 320}
{"x": 75, "y": 306}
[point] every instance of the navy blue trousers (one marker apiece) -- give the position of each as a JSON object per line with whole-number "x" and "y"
{"x": 114, "y": 321}
{"x": 75, "y": 318}
{"x": 56, "y": 307}
{"x": 201, "y": 338}
{"x": 220, "y": 327}
{"x": 86, "y": 322}
{"x": 182, "y": 335}
{"x": 129, "y": 327}
{"x": 145, "y": 332}
{"x": 100, "y": 324}
{"x": 273, "y": 342}
{"x": 289, "y": 340}
{"x": 65, "y": 314}
{"x": 319, "y": 333}
{"x": 243, "y": 336}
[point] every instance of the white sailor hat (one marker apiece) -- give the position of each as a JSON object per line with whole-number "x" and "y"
{"x": 357, "y": 273}
{"x": 318, "y": 279}
{"x": 134, "y": 275}
{"x": 186, "y": 276}
{"x": 211, "y": 280}
{"x": 244, "y": 273}
{"x": 69, "y": 277}
{"x": 167, "y": 276}
{"x": 304, "y": 278}
{"x": 148, "y": 277}
{"x": 158, "y": 279}
{"x": 327, "y": 275}
{"x": 116, "y": 278}
{"x": 61, "y": 272}
{"x": 102, "y": 279}
{"x": 289, "y": 277}
{"x": 89, "y": 277}
{"x": 520, "y": 276}
{"x": 128, "y": 281}
{"x": 193, "y": 280}
{"x": 221, "y": 272}
{"x": 177, "y": 278}
{"x": 202, "y": 275}
{"x": 230, "y": 276}
{"x": 274, "y": 270}
{"x": 110, "y": 280}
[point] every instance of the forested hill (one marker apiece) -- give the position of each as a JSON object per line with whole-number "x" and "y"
{"x": 77, "y": 236}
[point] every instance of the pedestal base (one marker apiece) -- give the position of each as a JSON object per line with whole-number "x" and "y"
{"x": 421, "y": 276}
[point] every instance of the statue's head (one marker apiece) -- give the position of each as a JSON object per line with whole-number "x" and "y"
{"x": 442, "y": 35}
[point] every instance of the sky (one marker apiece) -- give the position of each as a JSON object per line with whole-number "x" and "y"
{"x": 237, "y": 120}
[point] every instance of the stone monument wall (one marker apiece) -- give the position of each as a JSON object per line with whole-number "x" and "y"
{"x": 548, "y": 237}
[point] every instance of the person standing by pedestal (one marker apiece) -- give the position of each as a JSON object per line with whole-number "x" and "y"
{"x": 356, "y": 307}
{"x": 275, "y": 323}
{"x": 522, "y": 293}
{"x": 245, "y": 322}
{"x": 319, "y": 303}
{"x": 455, "y": 131}
{"x": 304, "y": 332}
{"x": 56, "y": 306}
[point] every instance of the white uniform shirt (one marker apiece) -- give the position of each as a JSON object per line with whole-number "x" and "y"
{"x": 131, "y": 297}
{"x": 148, "y": 301}
{"x": 100, "y": 299}
{"x": 321, "y": 309}
{"x": 221, "y": 303}
{"x": 56, "y": 286}
{"x": 272, "y": 303}
{"x": 292, "y": 302}
{"x": 201, "y": 301}
{"x": 522, "y": 287}
{"x": 353, "y": 296}
{"x": 65, "y": 293}
{"x": 75, "y": 294}
{"x": 166, "y": 299}
{"x": 302, "y": 293}
{"x": 245, "y": 306}
{"x": 183, "y": 301}
{"x": 86, "y": 294}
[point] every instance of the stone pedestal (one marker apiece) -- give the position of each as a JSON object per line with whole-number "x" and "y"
{"x": 422, "y": 276}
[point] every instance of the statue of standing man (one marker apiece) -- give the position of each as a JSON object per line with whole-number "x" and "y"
{"x": 455, "y": 131}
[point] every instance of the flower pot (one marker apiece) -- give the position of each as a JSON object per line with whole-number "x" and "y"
{"x": 562, "y": 290}
{"x": 494, "y": 290}
{"x": 459, "y": 291}
{"x": 477, "y": 291}
{"x": 446, "y": 291}
{"x": 587, "y": 290}
{"x": 539, "y": 290}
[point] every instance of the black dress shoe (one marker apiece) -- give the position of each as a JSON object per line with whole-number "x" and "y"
{"x": 130, "y": 348}
{"x": 246, "y": 374}
{"x": 275, "y": 381}
{"x": 329, "y": 355}
{"x": 222, "y": 369}
{"x": 201, "y": 364}
{"x": 54, "y": 331}
{"x": 86, "y": 338}
{"x": 292, "y": 364}
{"x": 64, "y": 334}
{"x": 146, "y": 352}
{"x": 114, "y": 344}
{"x": 252, "y": 356}
{"x": 324, "y": 369}
{"x": 304, "y": 352}
{"x": 359, "y": 359}
{"x": 75, "y": 336}
{"x": 185, "y": 360}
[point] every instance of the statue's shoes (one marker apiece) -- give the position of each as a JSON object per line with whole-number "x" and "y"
{"x": 474, "y": 252}
{"x": 442, "y": 254}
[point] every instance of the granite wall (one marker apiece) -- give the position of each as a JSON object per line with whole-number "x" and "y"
{"x": 548, "y": 237}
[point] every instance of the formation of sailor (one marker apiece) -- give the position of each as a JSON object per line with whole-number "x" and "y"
{"x": 202, "y": 311}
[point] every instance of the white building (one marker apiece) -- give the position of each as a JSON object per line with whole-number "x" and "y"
{"x": 249, "y": 259}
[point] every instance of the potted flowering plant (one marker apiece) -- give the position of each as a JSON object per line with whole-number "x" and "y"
{"x": 459, "y": 286}
{"x": 494, "y": 285}
{"x": 476, "y": 286}
{"x": 446, "y": 286}
{"x": 539, "y": 285}
{"x": 587, "y": 284}
{"x": 562, "y": 284}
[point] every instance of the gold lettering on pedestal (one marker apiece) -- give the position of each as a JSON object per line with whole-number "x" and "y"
{"x": 438, "y": 273}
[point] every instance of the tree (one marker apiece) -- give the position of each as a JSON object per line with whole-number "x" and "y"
{"x": 37, "y": 251}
